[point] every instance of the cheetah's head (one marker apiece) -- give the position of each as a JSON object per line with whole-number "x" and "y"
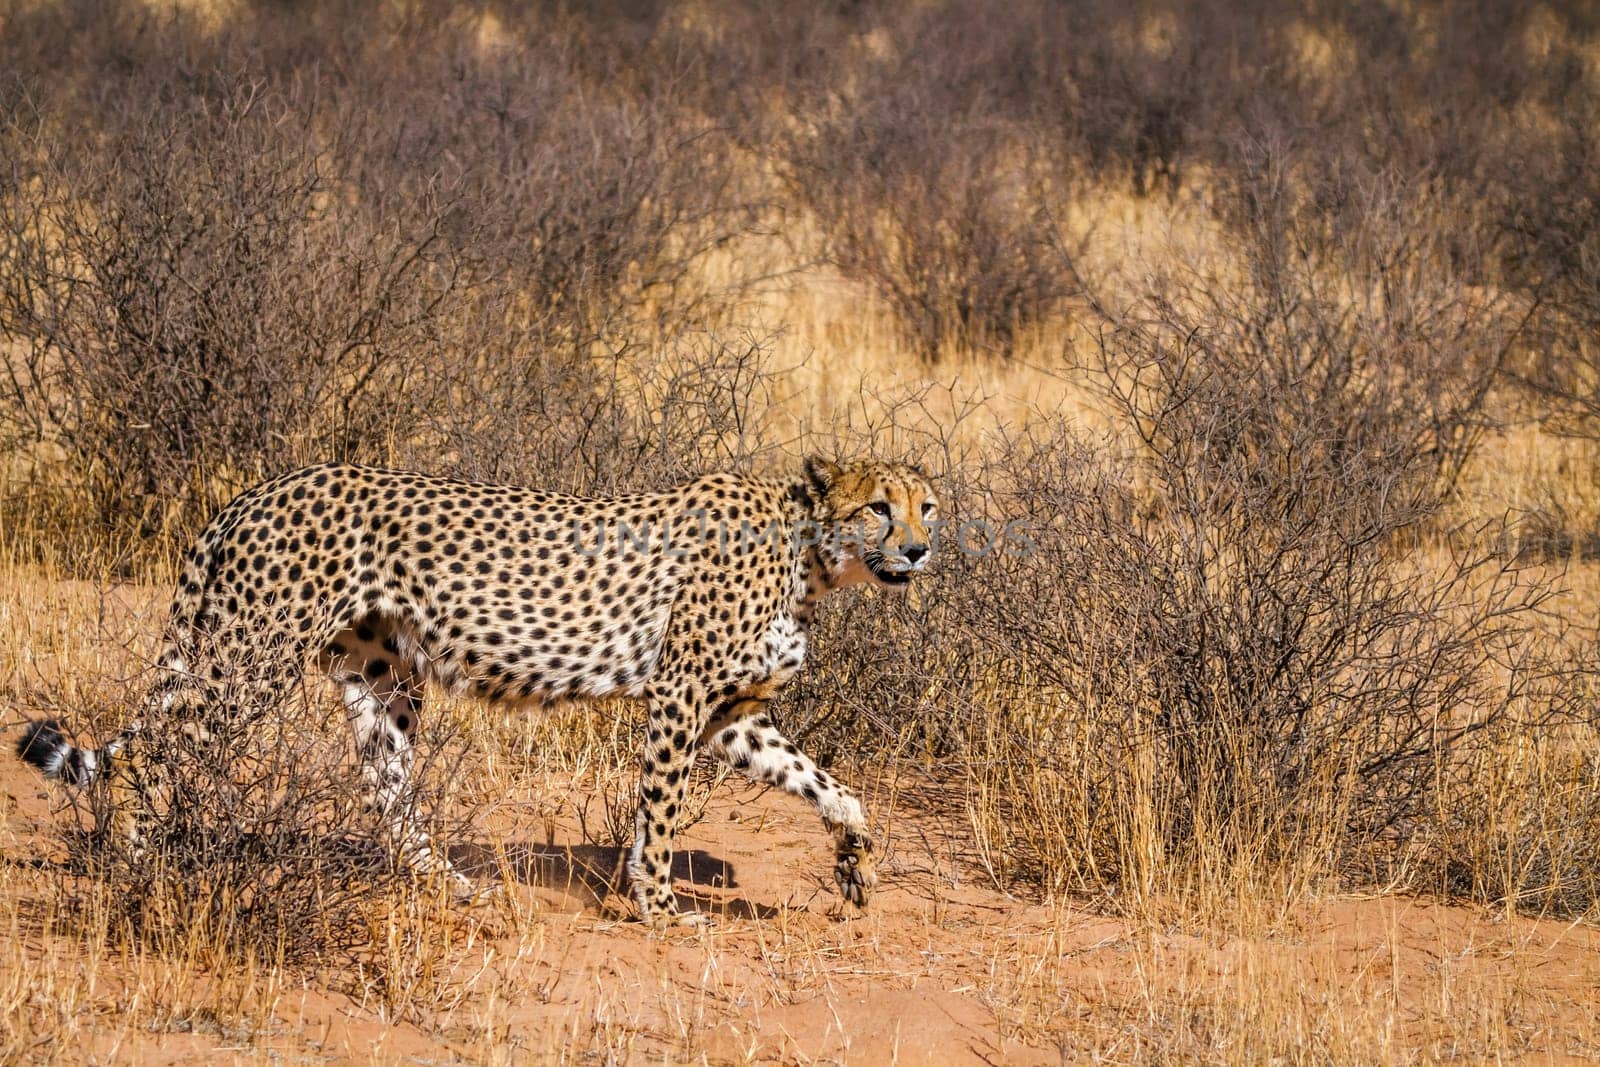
{"x": 878, "y": 520}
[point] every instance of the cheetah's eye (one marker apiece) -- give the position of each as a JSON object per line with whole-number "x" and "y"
{"x": 927, "y": 508}
{"x": 880, "y": 508}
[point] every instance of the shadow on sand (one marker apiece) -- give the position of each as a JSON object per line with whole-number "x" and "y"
{"x": 590, "y": 874}
{"x": 593, "y": 875}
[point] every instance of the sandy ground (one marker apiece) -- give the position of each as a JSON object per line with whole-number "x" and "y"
{"x": 943, "y": 968}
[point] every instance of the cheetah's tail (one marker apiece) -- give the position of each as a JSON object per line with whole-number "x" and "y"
{"x": 46, "y": 748}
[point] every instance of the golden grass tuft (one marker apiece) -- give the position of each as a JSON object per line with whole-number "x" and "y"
{"x": 1003, "y": 933}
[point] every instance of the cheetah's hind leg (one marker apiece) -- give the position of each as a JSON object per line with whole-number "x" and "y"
{"x": 382, "y": 697}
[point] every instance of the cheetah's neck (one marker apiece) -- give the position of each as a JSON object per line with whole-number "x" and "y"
{"x": 812, "y": 574}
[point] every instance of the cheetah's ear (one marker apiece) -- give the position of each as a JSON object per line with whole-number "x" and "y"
{"x": 822, "y": 474}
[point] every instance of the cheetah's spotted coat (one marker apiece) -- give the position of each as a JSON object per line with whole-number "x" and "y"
{"x": 692, "y": 598}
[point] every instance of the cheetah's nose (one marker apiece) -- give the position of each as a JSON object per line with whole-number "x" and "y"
{"x": 914, "y": 553}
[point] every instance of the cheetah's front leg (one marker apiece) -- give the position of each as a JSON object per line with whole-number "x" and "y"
{"x": 744, "y": 735}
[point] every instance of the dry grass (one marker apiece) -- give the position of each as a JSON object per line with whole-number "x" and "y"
{"x": 1072, "y": 909}
{"x": 1227, "y": 968}
{"x": 945, "y": 970}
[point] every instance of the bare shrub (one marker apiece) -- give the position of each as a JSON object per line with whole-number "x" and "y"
{"x": 255, "y": 838}
{"x": 1243, "y": 651}
{"x": 1148, "y": 83}
{"x": 640, "y": 416}
{"x": 923, "y": 192}
{"x": 1520, "y": 824}
{"x": 591, "y": 209}
{"x": 1552, "y": 223}
{"x": 1252, "y": 606}
{"x": 1229, "y": 681}
{"x": 1355, "y": 286}
{"x": 189, "y": 303}
{"x": 243, "y": 269}
{"x": 943, "y": 222}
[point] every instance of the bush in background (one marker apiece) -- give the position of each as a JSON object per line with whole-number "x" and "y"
{"x": 1255, "y": 643}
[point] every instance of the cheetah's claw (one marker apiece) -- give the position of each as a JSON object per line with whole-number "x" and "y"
{"x": 663, "y": 921}
{"x": 468, "y": 894}
{"x": 855, "y": 868}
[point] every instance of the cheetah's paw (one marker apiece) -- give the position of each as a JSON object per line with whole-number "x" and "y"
{"x": 469, "y": 894}
{"x": 663, "y": 921}
{"x": 855, "y": 868}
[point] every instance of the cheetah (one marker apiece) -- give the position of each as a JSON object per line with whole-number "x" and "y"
{"x": 698, "y": 599}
